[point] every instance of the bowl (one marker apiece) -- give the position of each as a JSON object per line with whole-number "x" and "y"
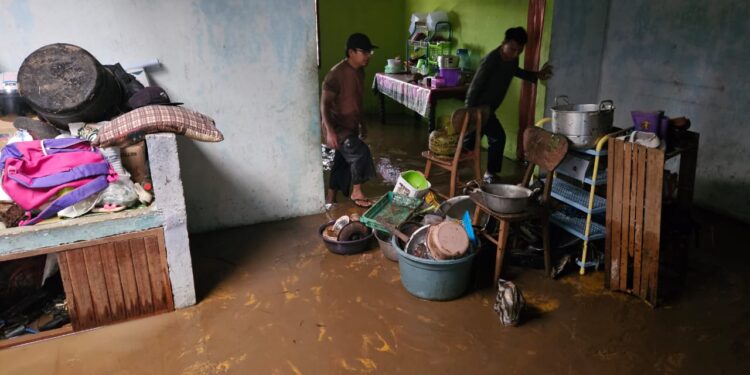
{"x": 386, "y": 245}
{"x": 345, "y": 247}
{"x": 506, "y": 198}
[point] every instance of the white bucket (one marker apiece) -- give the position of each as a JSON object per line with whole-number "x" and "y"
{"x": 407, "y": 188}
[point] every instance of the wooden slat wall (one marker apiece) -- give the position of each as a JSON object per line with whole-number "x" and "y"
{"x": 117, "y": 280}
{"x": 634, "y": 195}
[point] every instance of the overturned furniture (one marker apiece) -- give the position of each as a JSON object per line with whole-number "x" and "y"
{"x": 118, "y": 266}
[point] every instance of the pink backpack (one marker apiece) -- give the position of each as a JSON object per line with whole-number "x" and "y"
{"x": 36, "y": 171}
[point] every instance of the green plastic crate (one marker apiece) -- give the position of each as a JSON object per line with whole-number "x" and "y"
{"x": 392, "y": 209}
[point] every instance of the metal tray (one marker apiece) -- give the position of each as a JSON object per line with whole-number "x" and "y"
{"x": 392, "y": 209}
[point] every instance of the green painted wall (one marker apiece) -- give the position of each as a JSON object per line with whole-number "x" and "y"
{"x": 477, "y": 24}
{"x": 381, "y": 20}
{"x": 480, "y": 25}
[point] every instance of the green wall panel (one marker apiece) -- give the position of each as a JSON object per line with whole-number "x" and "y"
{"x": 478, "y": 25}
{"x": 382, "y": 21}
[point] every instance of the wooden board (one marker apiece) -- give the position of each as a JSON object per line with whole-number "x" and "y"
{"x": 118, "y": 280}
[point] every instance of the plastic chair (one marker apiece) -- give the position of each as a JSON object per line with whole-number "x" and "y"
{"x": 542, "y": 149}
{"x": 460, "y": 120}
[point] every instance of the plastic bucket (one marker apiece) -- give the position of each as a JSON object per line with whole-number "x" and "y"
{"x": 436, "y": 280}
{"x": 451, "y": 76}
{"x": 412, "y": 184}
{"x": 386, "y": 246}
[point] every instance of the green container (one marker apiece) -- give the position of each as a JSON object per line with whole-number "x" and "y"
{"x": 416, "y": 180}
{"x": 392, "y": 209}
{"x": 437, "y": 280}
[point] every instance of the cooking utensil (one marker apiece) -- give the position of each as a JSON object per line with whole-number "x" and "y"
{"x": 447, "y": 240}
{"x": 447, "y": 61}
{"x": 393, "y": 230}
{"x": 582, "y": 124}
{"x": 506, "y": 198}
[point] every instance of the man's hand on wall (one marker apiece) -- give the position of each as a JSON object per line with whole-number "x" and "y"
{"x": 545, "y": 73}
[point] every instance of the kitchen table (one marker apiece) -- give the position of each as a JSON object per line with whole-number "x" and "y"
{"x": 420, "y": 99}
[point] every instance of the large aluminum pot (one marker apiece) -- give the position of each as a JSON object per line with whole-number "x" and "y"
{"x": 505, "y": 198}
{"x": 447, "y": 61}
{"x": 582, "y": 124}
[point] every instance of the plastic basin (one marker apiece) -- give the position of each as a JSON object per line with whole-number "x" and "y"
{"x": 436, "y": 280}
{"x": 345, "y": 247}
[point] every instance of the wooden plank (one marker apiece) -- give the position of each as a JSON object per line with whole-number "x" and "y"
{"x": 640, "y": 194}
{"x": 165, "y": 268}
{"x": 97, "y": 285}
{"x": 77, "y": 245}
{"x": 627, "y": 157}
{"x": 70, "y": 297}
{"x": 112, "y": 280}
{"x": 80, "y": 283}
{"x": 127, "y": 278}
{"x": 25, "y": 339}
{"x": 608, "y": 218}
{"x": 616, "y": 154}
{"x": 142, "y": 277}
{"x": 159, "y": 293}
{"x": 652, "y": 230}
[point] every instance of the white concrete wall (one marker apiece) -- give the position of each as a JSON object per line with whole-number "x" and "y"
{"x": 687, "y": 57}
{"x": 249, "y": 64}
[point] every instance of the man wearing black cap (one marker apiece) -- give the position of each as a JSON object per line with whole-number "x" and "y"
{"x": 341, "y": 119}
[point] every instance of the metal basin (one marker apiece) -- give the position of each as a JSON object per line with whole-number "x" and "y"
{"x": 506, "y": 198}
{"x": 582, "y": 124}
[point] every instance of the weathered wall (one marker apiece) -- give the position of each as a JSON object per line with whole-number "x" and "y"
{"x": 249, "y": 64}
{"x": 687, "y": 58}
{"x": 577, "y": 49}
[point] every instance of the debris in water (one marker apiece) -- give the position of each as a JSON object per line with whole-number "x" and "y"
{"x": 388, "y": 171}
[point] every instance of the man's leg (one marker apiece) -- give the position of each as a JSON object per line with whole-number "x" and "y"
{"x": 340, "y": 178}
{"x": 362, "y": 168}
{"x": 496, "y": 140}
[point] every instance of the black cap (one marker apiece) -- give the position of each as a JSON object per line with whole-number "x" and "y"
{"x": 361, "y": 41}
{"x": 148, "y": 96}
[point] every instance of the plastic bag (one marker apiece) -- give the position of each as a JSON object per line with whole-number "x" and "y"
{"x": 509, "y": 303}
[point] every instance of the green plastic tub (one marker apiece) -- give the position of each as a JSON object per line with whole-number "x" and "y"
{"x": 436, "y": 280}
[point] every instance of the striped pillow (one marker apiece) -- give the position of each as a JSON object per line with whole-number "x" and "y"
{"x": 133, "y": 126}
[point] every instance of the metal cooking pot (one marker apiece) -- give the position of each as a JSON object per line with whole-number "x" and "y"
{"x": 506, "y": 198}
{"x": 582, "y": 124}
{"x": 447, "y": 61}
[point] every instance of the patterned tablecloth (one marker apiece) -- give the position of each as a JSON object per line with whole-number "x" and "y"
{"x": 397, "y": 87}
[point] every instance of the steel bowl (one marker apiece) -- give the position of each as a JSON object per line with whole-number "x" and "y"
{"x": 506, "y": 198}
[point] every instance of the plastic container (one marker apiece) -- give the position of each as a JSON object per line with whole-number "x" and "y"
{"x": 412, "y": 184}
{"x": 452, "y": 76}
{"x": 392, "y": 209}
{"x": 386, "y": 245}
{"x": 345, "y": 247}
{"x": 438, "y": 82}
{"x": 436, "y": 280}
{"x": 434, "y": 17}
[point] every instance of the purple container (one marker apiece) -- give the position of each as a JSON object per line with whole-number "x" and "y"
{"x": 451, "y": 75}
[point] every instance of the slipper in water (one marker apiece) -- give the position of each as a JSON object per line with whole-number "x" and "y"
{"x": 362, "y": 202}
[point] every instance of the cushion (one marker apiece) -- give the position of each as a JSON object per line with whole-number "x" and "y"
{"x": 134, "y": 125}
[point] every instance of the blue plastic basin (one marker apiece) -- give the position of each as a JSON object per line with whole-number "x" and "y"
{"x": 436, "y": 280}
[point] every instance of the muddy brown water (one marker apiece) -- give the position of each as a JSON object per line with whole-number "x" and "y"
{"x": 273, "y": 300}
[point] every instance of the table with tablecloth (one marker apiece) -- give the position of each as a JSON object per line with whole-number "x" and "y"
{"x": 418, "y": 98}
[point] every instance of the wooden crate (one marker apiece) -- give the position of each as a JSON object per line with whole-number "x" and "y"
{"x": 634, "y": 198}
{"x": 116, "y": 278}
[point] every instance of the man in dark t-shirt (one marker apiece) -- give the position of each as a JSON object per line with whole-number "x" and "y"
{"x": 489, "y": 86}
{"x": 342, "y": 125}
